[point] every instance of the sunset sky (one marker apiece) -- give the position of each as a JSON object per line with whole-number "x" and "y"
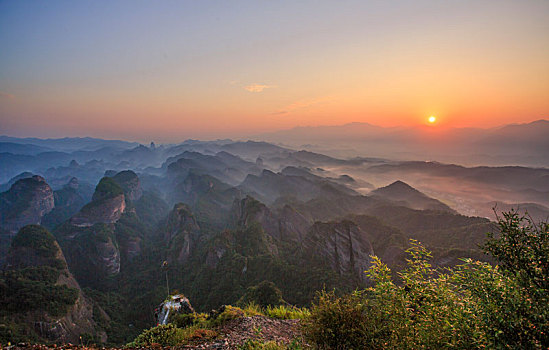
{"x": 171, "y": 70}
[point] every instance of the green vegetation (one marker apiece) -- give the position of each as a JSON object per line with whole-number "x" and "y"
{"x": 164, "y": 335}
{"x": 264, "y": 294}
{"x": 285, "y": 312}
{"x": 37, "y": 238}
{"x": 474, "y": 305}
{"x": 107, "y": 188}
{"x": 30, "y": 283}
{"x": 270, "y": 345}
{"x": 186, "y": 328}
{"x": 21, "y": 293}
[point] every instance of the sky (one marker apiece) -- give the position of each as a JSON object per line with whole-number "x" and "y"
{"x": 172, "y": 70}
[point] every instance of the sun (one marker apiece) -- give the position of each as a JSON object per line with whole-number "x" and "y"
{"x": 432, "y": 119}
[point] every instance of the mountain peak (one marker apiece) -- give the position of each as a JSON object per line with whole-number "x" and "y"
{"x": 406, "y": 195}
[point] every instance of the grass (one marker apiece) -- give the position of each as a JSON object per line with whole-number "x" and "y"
{"x": 184, "y": 329}
{"x": 283, "y": 312}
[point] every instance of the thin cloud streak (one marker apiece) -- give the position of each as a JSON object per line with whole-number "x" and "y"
{"x": 6, "y": 95}
{"x": 258, "y": 87}
{"x": 303, "y": 104}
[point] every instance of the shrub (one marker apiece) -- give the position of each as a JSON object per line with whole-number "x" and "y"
{"x": 427, "y": 311}
{"x": 165, "y": 335}
{"x": 515, "y": 302}
{"x": 230, "y": 313}
{"x": 264, "y": 294}
{"x": 186, "y": 320}
{"x": 341, "y": 322}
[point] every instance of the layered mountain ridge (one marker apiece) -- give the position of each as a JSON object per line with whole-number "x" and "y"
{"x": 215, "y": 220}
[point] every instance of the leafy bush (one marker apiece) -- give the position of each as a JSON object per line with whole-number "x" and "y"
{"x": 264, "y": 294}
{"x": 515, "y": 304}
{"x": 474, "y": 305}
{"x": 186, "y": 320}
{"x": 342, "y": 322}
{"x": 165, "y": 335}
{"x": 230, "y": 313}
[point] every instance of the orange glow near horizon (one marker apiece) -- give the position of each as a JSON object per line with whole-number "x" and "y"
{"x": 214, "y": 71}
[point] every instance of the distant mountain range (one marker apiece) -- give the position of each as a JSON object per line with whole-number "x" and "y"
{"x": 515, "y": 144}
{"x": 226, "y": 217}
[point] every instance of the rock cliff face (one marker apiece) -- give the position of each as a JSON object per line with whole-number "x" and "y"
{"x": 92, "y": 252}
{"x": 107, "y": 205}
{"x": 129, "y": 181}
{"x": 285, "y": 224}
{"x": 249, "y": 210}
{"x": 344, "y": 246}
{"x": 68, "y": 201}
{"x": 181, "y": 233}
{"x": 26, "y": 202}
{"x": 35, "y": 249}
{"x": 103, "y": 211}
{"x": 293, "y": 225}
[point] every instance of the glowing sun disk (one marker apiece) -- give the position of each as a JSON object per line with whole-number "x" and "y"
{"x": 432, "y": 119}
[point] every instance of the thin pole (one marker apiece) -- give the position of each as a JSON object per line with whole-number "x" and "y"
{"x": 167, "y": 285}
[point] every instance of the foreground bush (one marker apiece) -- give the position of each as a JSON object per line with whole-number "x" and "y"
{"x": 343, "y": 323}
{"x": 165, "y": 335}
{"x": 474, "y": 305}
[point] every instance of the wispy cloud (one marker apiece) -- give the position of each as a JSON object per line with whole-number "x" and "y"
{"x": 258, "y": 87}
{"x": 6, "y": 95}
{"x": 303, "y": 104}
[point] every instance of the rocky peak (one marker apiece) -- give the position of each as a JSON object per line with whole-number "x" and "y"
{"x": 107, "y": 205}
{"x": 129, "y": 181}
{"x": 249, "y": 210}
{"x": 14, "y": 179}
{"x": 405, "y": 195}
{"x": 181, "y": 234}
{"x": 73, "y": 183}
{"x": 26, "y": 202}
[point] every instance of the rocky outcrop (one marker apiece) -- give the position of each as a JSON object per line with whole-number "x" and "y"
{"x": 93, "y": 253}
{"x": 35, "y": 248}
{"x": 249, "y": 210}
{"x": 181, "y": 233}
{"x": 293, "y": 225}
{"x": 26, "y": 202}
{"x": 104, "y": 211}
{"x": 7, "y": 186}
{"x": 176, "y": 304}
{"x": 107, "y": 205}
{"x": 343, "y": 245}
{"x": 129, "y": 181}
{"x": 286, "y": 224}
{"x": 68, "y": 201}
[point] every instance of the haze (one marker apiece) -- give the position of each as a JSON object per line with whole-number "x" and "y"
{"x": 205, "y": 69}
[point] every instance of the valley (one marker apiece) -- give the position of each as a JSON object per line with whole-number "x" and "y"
{"x": 216, "y": 219}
